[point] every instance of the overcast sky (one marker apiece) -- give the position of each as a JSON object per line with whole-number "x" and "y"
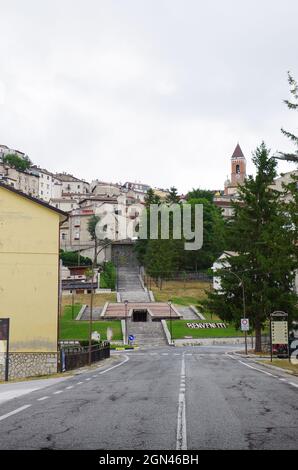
{"x": 158, "y": 91}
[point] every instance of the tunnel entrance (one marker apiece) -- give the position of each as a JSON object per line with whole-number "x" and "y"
{"x": 139, "y": 316}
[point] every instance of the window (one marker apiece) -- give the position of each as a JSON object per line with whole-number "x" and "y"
{"x": 238, "y": 169}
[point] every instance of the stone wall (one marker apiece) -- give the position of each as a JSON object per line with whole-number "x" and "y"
{"x": 23, "y": 365}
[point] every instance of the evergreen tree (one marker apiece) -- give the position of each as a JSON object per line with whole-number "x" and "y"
{"x": 200, "y": 194}
{"x": 265, "y": 253}
{"x": 294, "y": 106}
{"x": 92, "y": 222}
{"x": 172, "y": 197}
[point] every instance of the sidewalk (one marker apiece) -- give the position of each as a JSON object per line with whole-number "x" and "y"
{"x": 11, "y": 390}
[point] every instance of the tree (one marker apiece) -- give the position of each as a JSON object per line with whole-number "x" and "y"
{"x": 70, "y": 258}
{"x": 17, "y": 162}
{"x": 213, "y": 237}
{"x": 200, "y": 194}
{"x": 92, "y": 222}
{"x": 172, "y": 197}
{"x": 294, "y": 106}
{"x": 151, "y": 198}
{"x": 263, "y": 239}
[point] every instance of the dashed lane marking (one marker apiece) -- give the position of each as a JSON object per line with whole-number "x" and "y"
{"x": 14, "y": 412}
{"x": 42, "y": 398}
{"x": 58, "y": 392}
{"x": 181, "y": 439}
{"x": 70, "y": 387}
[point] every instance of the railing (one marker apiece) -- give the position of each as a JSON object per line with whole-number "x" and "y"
{"x": 75, "y": 357}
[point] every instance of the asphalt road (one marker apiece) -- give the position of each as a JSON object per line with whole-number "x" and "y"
{"x": 170, "y": 398}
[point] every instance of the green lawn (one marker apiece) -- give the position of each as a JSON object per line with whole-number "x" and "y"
{"x": 72, "y": 329}
{"x": 180, "y": 330}
{"x": 68, "y": 314}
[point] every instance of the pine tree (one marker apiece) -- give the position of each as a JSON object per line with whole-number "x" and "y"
{"x": 265, "y": 257}
{"x": 294, "y": 106}
{"x": 172, "y": 197}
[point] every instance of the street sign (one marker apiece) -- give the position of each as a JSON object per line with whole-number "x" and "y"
{"x": 4, "y": 323}
{"x": 244, "y": 324}
{"x": 4, "y": 339}
{"x": 131, "y": 338}
{"x": 279, "y": 332}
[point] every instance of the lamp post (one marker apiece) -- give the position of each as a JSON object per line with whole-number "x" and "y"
{"x": 91, "y": 319}
{"x": 126, "y": 332}
{"x": 171, "y": 326}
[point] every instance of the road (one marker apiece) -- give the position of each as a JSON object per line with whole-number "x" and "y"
{"x": 169, "y": 398}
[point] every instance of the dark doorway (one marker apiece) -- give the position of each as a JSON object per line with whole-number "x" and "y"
{"x": 139, "y": 315}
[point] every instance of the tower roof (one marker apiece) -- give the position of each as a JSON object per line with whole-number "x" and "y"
{"x": 238, "y": 152}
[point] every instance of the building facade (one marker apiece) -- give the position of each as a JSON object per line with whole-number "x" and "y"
{"x": 29, "y": 282}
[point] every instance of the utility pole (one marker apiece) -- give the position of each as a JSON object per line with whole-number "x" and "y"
{"x": 126, "y": 332}
{"x": 171, "y": 326}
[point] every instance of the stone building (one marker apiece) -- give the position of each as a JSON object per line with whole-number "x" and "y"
{"x": 25, "y": 181}
{"x": 29, "y": 282}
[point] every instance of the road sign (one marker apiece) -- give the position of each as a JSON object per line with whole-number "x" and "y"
{"x": 244, "y": 324}
{"x": 279, "y": 332}
{"x": 131, "y": 337}
{"x": 4, "y": 339}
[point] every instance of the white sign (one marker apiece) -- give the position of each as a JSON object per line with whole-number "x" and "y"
{"x": 279, "y": 332}
{"x": 206, "y": 325}
{"x": 244, "y": 324}
{"x": 95, "y": 336}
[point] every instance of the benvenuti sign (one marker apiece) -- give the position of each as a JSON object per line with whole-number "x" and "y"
{"x": 205, "y": 325}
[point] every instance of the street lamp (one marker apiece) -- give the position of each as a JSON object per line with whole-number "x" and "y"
{"x": 171, "y": 326}
{"x": 126, "y": 332}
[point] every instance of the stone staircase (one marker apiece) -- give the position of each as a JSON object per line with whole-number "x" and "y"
{"x": 130, "y": 287}
{"x": 147, "y": 334}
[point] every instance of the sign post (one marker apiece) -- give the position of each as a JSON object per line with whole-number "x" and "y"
{"x": 245, "y": 328}
{"x": 279, "y": 331}
{"x": 4, "y": 336}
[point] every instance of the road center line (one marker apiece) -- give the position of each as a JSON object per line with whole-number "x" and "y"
{"x": 42, "y": 398}
{"x": 181, "y": 442}
{"x": 14, "y": 412}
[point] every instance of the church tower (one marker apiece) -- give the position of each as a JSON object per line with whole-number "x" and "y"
{"x": 238, "y": 167}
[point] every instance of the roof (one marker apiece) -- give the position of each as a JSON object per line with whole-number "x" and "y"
{"x": 238, "y": 152}
{"x": 33, "y": 199}
{"x": 68, "y": 178}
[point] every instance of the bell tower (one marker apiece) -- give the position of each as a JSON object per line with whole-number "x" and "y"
{"x": 238, "y": 167}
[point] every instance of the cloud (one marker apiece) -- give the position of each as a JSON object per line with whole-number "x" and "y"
{"x": 156, "y": 91}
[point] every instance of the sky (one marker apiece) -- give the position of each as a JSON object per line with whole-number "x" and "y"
{"x": 157, "y": 91}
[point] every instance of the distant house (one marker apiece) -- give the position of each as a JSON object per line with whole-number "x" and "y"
{"x": 221, "y": 263}
{"x": 29, "y": 281}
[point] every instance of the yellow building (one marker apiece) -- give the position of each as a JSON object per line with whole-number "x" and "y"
{"x": 29, "y": 281}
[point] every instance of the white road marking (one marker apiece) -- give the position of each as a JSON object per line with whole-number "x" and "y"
{"x": 18, "y": 410}
{"x": 165, "y": 354}
{"x": 42, "y": 398}
{"x": 259, "y": 370}
{"x": 294, "y": 385}
{"x": 181, "y": 442}
{"x": 58, "y": 392}
{"x": 70, "y": 387}
{"x": 117, "y": 365}
{"x": 79, "y": 383}
{"x": 188, "y": 354}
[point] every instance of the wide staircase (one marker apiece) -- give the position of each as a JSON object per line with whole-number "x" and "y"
{"x": 130, "y": 287}
{"x": 147, "y": 334}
